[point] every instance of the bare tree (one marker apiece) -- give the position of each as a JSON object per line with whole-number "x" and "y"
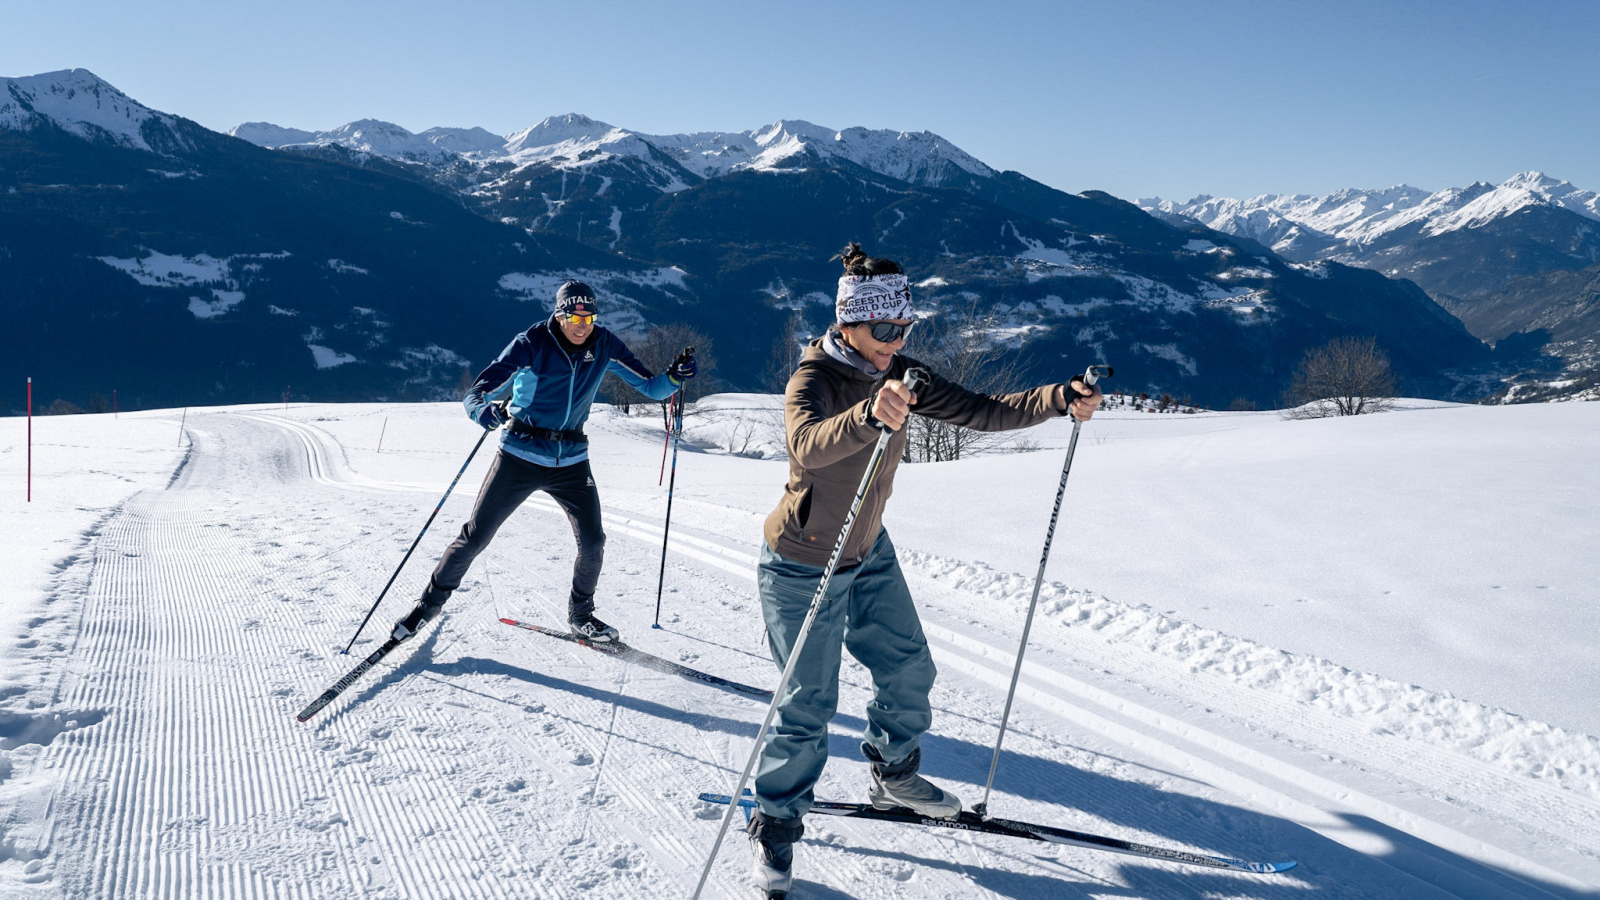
{"x": 465, "y": 380}
{"x": 62, "y": 407}
{"x": 785, "y": 356}
{"x": 616, "y": 392}
{"x": 662, "y": 344}
{"x": 958, "y": 345}
{"x": 1345, "y": 377}
{"x": 739, "y": 434}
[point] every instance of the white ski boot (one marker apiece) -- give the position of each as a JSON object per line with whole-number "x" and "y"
{"x": 900, "y": 785}
{"x": 772, "y": 848}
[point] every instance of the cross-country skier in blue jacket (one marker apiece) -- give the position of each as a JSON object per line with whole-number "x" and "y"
{"x": 552, "y": 372}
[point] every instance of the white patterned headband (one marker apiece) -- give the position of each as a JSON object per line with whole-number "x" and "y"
{"x": 867, "y": 298}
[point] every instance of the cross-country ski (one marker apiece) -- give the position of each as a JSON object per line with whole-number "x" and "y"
{"x": 967, "y": 820}
{"x": 638, "y": 657}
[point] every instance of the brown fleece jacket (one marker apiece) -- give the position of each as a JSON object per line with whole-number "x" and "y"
{"x": 830, "y": 442}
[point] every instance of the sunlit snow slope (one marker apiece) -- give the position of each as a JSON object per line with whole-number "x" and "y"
{"x": 152, "y": 670}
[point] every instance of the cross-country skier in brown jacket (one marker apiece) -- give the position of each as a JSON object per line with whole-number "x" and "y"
{"x": 848, "y": 381}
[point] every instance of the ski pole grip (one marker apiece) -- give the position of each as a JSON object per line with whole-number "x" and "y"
{"x": 912, "y": 379}
{"x": 1089, "y": 378}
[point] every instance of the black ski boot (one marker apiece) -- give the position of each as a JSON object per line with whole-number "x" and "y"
{"x": 426, "y": 610}
{"x": 592, "y": 629}
{"x": 772, "y": 841}
{"x": 580, "y": 618}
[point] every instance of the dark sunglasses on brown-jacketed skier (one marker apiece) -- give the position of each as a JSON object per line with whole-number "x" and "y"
{"x": 888, "y": 332}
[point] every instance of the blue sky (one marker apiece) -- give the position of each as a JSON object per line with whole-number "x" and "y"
{"x": 1136, "y": 98}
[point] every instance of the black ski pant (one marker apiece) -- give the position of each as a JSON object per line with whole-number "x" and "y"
{"x": 510, "y": 481}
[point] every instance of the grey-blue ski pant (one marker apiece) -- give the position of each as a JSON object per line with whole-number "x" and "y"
{"x": 867, "y": 610}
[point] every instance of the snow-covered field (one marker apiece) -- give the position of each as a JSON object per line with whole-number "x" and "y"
{"x": 1363, "y": 644}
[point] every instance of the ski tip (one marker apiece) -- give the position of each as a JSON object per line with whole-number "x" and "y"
{"x": 1261, "y": 868}
{"x": 747, "y": 800}
{"x": 1283, "y": 866}
{"x": 508, "y": 621}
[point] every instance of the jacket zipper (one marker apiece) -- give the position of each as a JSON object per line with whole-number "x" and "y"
{"x": 572, "y": 383}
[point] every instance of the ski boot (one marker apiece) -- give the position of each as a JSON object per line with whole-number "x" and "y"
{"x": 772, "y": 843}
{"x": 426, "y": 610}
{"x": 589, "y": 628}
{"x": 900, "y": 785}
{"x": 580, "y": 618}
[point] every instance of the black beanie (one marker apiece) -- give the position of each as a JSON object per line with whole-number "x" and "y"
{"x": 575, "y": 298}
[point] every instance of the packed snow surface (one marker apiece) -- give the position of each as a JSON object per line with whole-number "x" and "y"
{"x": 1363, "y": 644}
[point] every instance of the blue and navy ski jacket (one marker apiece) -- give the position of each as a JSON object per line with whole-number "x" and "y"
{"x": 551, "y": 388}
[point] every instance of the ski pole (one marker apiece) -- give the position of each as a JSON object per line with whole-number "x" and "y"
{"x": 913, "y": 379}
{"x": 666, "y": 422}
{"x": 463, "y": 471}
{"x": 1089, "y": 377}
{"x": 666, "y": 436}
{"x": 677, "y": 432}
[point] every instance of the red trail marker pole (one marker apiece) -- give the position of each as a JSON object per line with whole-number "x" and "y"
{"x": 381, "y": 432}
{"x": 180, "y": 425}
{"x": 30, "y": 440}
{"x": 114, "y": 403}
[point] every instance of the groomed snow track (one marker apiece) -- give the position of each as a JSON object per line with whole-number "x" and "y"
{"x": 479, "y": 762}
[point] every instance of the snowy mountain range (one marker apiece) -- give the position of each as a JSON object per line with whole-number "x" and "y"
{"x": 368, "y": 261}
{"x": 1293, "y": 223}
{"x": 1515, "y": 261}
{"x": 575, "y": 141}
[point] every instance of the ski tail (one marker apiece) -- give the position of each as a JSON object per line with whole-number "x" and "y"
{"x": 332, "y": 694}
{"x": 970, "y": 821}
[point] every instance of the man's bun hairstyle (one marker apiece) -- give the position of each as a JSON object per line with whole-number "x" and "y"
{"x": 857, "y": 262}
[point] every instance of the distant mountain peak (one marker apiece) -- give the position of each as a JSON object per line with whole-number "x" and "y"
{"x": 79, "y": 102}
{"x": 266, "y": 134}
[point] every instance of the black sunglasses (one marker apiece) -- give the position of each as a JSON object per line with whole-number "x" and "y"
{"x": 888, "y": 332}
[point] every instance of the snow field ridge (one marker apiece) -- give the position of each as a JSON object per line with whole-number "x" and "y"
{"x": 1563, "y": 759}
{"x": 1068, "y": 697}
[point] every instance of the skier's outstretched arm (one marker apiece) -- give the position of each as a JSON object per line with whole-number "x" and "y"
{"x": 947, "y": 401}
{"x": 629, "y": 369}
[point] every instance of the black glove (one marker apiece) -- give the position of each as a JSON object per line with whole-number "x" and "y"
{"x": 683, "y": 368}
{"x": 490, "y": 417}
